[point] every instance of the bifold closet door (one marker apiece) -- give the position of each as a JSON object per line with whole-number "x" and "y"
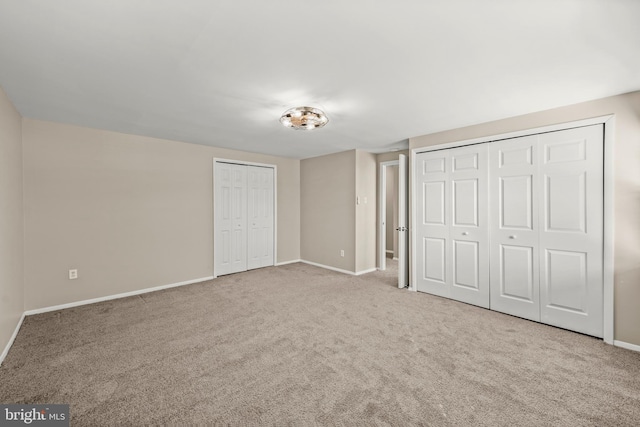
{"x": 432, "y": 223}
{"x": 571, "y": 229}
{"x": 260, "y": 217}
{"x": 514, "y": 227}
{"x": 243, "y": 218}
{"x": 230, "y": 218}
{"x": 452, "y": 230}
{"x": 547, "y": 235}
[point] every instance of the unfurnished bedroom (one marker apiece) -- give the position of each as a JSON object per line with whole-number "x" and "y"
{"x": 334, "y": 213}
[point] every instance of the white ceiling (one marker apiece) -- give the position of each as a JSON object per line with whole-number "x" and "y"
{"x": 221, "y": 72}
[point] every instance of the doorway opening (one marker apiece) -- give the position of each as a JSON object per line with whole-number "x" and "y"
{"x": 388, "y": 213}
{"x": 392, "y": 217}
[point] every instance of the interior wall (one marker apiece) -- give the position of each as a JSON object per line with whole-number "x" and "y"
{"x": 626, "y": 108}
{"x": 366, "y": 211}
{"x": 11, "y": 220}
{"x": 327, "y": 210}
{"x": 129, "y": 212}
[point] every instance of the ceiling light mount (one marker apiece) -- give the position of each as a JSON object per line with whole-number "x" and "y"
{"x": 304, "y": 118}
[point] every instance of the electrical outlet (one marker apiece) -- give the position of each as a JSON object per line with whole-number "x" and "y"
{"x": 341, "y": 252}
{"x": 73, "y": 274}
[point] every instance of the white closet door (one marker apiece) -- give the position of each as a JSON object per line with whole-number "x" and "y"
{"x": 432, "y": 227}
{"x": 231, "y": 218}
{"x": 514, "y": 227}
{"x": 469, "y": 228}
{"x": 452, "y": 226}
{"x": 571, "y": 284}
{"x": 260, "y": 210}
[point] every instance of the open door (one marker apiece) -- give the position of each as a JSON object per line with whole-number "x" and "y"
{"x": 403, "y": 259}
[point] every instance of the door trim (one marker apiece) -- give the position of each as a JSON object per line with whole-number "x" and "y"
{"x": 382, "y": 213}
{"x": 275, "y": 203}
{"x": 609, "y": 215}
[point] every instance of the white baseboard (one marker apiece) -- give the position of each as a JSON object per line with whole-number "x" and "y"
{"x": 339, "y": 270}
{"x": 328, "y": 267}
{"x": 12, "y": 339}
{"x": 293, "y": 261}
{"x": 371, "y": 270}
{"x": 116, "y": 296}
{"x": 626, "y": 345}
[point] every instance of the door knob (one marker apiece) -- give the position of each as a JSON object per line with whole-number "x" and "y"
{"x": 513, "y": 236}
{"x": 465, "y": 233}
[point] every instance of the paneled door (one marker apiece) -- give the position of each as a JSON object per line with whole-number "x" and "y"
{"x": 230, "y": 224}
{"x": 469, "y": 225}
{"x": 432, "y": 222}
{"x": 243, "y": 217}
{"x": 514, "y": 227}
{"x": 403, "y": 256}
{"x": 547, "y": 235}
{"x": 571, "y": 229}
{"x": 260, "y": 220}
{"x": 452, "y": 227}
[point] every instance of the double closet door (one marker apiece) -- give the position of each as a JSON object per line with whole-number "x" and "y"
{"x": 543, "y": 205}
{"x": 243, "y": 217}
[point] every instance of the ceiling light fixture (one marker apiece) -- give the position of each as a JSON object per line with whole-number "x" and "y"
{"x": 304, "y": 118}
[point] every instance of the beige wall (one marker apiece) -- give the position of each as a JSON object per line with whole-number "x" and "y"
{"x": 129, "y": 212}
{"x": 11, "y": 220}
{"x": 627, "y": 188}
{"x": 366, "y": 211}
{"x": 327, "y": 209}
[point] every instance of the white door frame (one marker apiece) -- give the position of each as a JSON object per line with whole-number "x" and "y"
{"x": 382, "y": 213}
{"x": 275, "y": 203}
{"x": 609, "y": 214}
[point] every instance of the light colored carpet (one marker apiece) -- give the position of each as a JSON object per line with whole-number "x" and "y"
{"x": 299, "y": 345}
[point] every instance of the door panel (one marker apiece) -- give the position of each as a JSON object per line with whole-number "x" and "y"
{"x": 230, "y": 219}
{"x": 434, "y": 202}
{"x": 516, "y": 271}
{"x": 453, "y": 228}
{"x": 514, "y": 230}
{"x": 463, "y": 162}
{"x": 567, "y": 151}
{"x": 469, "y": 229}
{"x": 565, "y": 202}
{"x": 516, "y": 200}
{"x": 435, "y": 260}
{"x": 432, "y": 229}
{"x": 465, "y": 202}
{"x": 571, "y": 281}
{"x": 261, "y": 217}
{"x": 465, "y": 270}
{"x": 515, "y": 156}
{"x": 567, "y": 280}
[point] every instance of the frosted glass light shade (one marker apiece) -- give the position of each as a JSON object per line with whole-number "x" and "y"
{"x": 304, "y": 118}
